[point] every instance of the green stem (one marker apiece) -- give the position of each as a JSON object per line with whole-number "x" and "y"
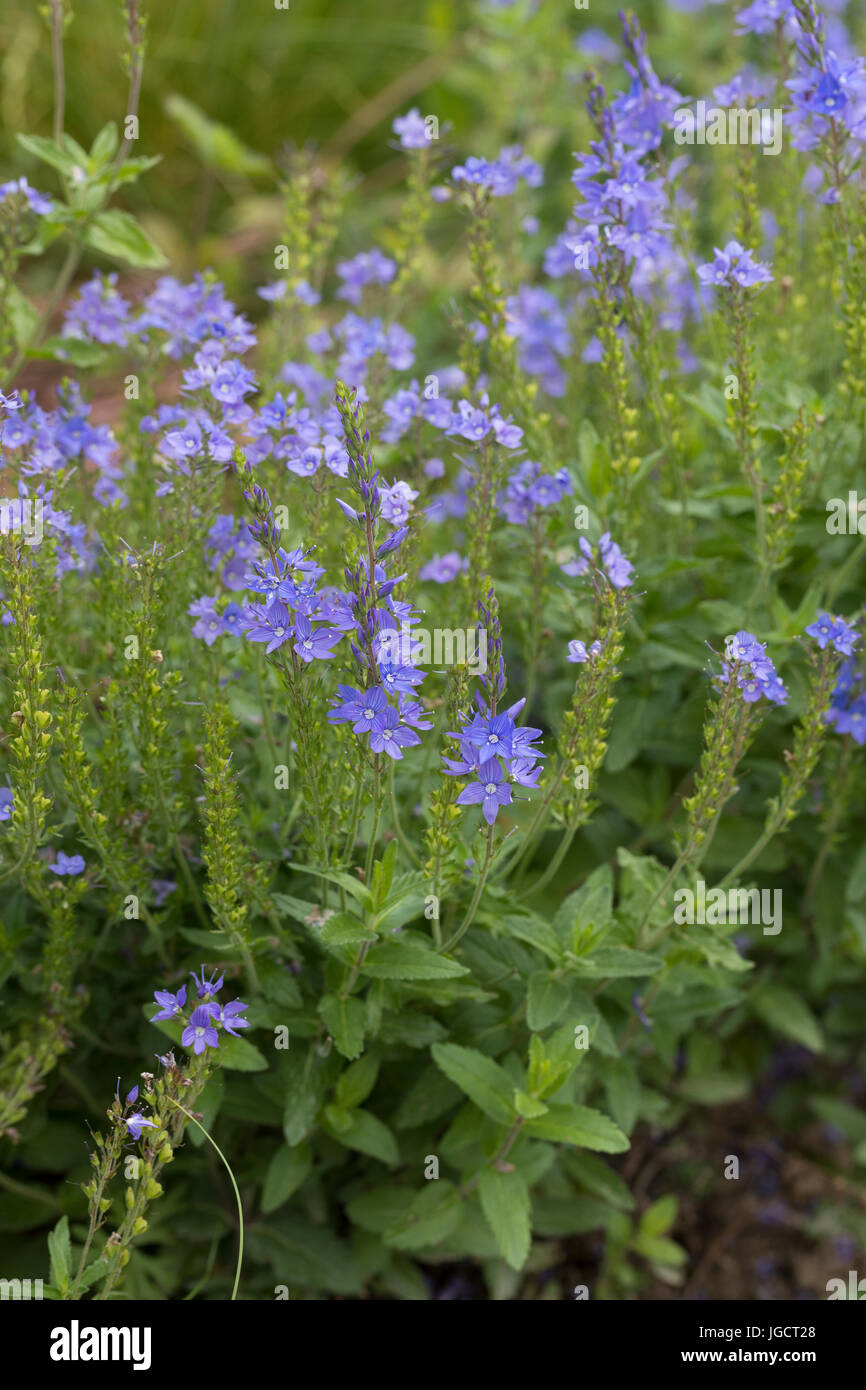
{"x": 212, "y": 1141}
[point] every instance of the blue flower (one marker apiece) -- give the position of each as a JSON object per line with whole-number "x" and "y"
{"x": 136, "y": 1123}
{"x": 200, "y": 1032}
{"x": 491, "y": 790}
{"x": 67, "y": 865}
{"x": 170, "y": 1005}
{"x": 827, "y": 628}
{"x": 207, "y": 988}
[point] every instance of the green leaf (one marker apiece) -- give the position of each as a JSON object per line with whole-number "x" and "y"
{"x": 622, "y": 1089}
{"x": 598, "y": 1177}
{"x": 23, "y": 316}
{"x": 287, "y": 1171}
{"x": 305, "y": 1090}
{"x": 51, "y": 153}
{"x": 505, "y": 1203}
{"x": 534, "y": 930}
{"x": 105, "y": 145}
{"x": 93, "y": 1272}
{"x": 579, "y": 1124}
{"x": 60, "y": 1254}
{"x": 546, "y": 1000}
{"x": 590, "y": 907}
{"x": 432, "y": 1217}
{"x": 658, "y": 1218}
{"x": 529, "y": 1106}
{"x": 400, "y": 960}
{"x": 344, "y": 1019}
{"x": 360, "y": 1130}
{"x": 214, "y": 143}
{"x": 346, "y": 881}
{"x": 357, "y": 1081}
{"x": 479, "y": 1077}
{"x": 118, "y": 235}
{"x": 616, "y": 962}
{"x": 785, "y": 1012}
{"x": 343, "y": 929}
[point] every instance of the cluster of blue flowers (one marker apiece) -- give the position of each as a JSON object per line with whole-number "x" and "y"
{"x": 608, "y": 560}
{"x": 755, "y": 674}
{"x": 528, "y": 489}
{"x": 734, "y": 266}
{"x": 847, "y": 712}
{"x": 200, "y": 1027}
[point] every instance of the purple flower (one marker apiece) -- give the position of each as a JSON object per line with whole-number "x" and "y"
{"x": 270, "y": 624}
{"x": 67, "y": 865}
{"x": 314, "y": 644}
{"x": 136, "y": 1123}
{"x": 360, "y": 709}
{"x": 37, "y": 201}
{"x": 829, "y": 629}
{"x": 442, "y": 569}
{"x": 389, "y": 736}
{"x": 207, "y": 988}
{"x": 367, "y": 268}
{"x": 577, "y": 651}
{"x": 491, "y": 790}
{"x": 411, "y": 129}
{"x": 228, "y": 1016}
{"x": 170, "y": 1005}
{"x": 734, "y": 266}
{"x": 132, "y": 1097}
{"x": 200, "y": 1031}
{"x": 6, "y": 803}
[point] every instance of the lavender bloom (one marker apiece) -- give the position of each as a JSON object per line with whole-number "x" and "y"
{"x": 755, "y": 673}
{"x": 618, "y": 569}
{"x": 367, "y": 268}
{"x": 170, "y": 1005}
{"x": 136, "y": 1123}
{"x": 227, "y": 1015}
{"x": 578, "y": 652}
{"x": 411, "y": 129}
{"x": 99, "y": 312}
{"x": 834, "y": 630}
{"x": 442, "y": 569}
{"x": 67, "y": 865}
{"x": 491, "y": 790}
{"x": 206, "y": 989}
{"x": 6, "y": 803}
{"x": 200, "y": 1031}
{"x": 734, "y": 266}
{"x": 36, "y": 201}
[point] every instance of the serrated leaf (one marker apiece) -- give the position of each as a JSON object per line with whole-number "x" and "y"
{"x": 785, "y": 1012}
{"x": 366, "y": 1133}
{"x": 345, "y": 881}
{"x": 343, "y": 930}
{"x": 505, "y": 1203}
{"x": 431, "y": 1218}
{"x": 546, "y": 1000}
{"x": 616, "y": 962}
{"x": 287, "y": 1171}
{"x": 598, "y": 1177}
{"x": 581, "y": 1125}
{"x": 622, "y": 1088}
{"x": 117, "y": 234}
{"x": 479, "y": 1077}
{"x": 345, "y": 1020}
{"x": 357, "y": 1081}
{"x": 399, "y": 960}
